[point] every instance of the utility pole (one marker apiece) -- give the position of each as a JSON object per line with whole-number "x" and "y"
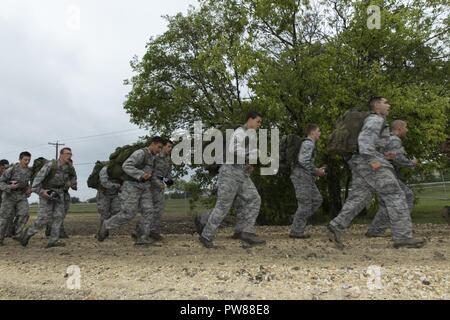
{"x": 56, "y": 144}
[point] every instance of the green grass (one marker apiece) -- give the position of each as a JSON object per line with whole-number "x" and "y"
{"x": 428, "y": 208}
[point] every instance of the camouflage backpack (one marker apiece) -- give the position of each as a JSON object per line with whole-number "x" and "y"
{"x": 289, "y": 148}
{"x": 344, "y": 138}
{"x": 40, "y": 162}
{"x": 119, "y": 156}
{"x": 93, "y": 180}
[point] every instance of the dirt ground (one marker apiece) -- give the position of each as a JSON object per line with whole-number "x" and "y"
{"x": 181, "y": 269}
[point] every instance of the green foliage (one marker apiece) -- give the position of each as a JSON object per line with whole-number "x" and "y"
{"x": 298, "y": 61}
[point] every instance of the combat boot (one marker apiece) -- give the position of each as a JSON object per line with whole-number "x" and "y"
{"x": 251, "y": 238}
{"x": 446, "y": 214}
{"x": 236, "y": 235}
{"x": 102, "y": 233}
{"x": 299, "y": 236}
{"x": 156, "y": 236}
{"x": 334, "y": 235}
{"x": 375, "y": 235}
{"x": 409, "y": 243}
{"x": 144, "y": 241}
{"x": 55, "y": 244}
{"x": 25, "y": 238}
{"x": 208, "y": 244}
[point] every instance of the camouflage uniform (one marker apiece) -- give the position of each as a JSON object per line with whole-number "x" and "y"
{"x": 135, "y": 194}
{"x": 373, "y": 138}
{"x": 163, "y": 168}
{"x": 235, "y": 188}
{"x": 56, "y": 177}
{"x": 381, "y": 221}
{"x": 15, "y": 201}
{"x": 108, "y": 203}
{"x": 308, "y": 196}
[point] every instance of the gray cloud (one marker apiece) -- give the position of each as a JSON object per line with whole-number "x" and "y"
{"x": 59, "y": 84}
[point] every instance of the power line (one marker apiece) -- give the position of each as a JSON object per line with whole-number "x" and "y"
{"x": 56, "y": 144}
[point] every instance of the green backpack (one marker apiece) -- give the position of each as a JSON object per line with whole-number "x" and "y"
{"x": 119, "y": 156}
{"x": 289, "y": 148}
{"x": 93, "y": 180}
{"x": 213, "y": 169}
{"x": 344, "y": 138}
{"x": 38, "y": 163}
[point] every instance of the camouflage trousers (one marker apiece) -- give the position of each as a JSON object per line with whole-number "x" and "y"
{"x": 14, "y": 214}
{"x": 381, "y": 220}
{"x": 134, "y": 197}
{"x": 66, "y": 210}
{"x": 308, "y": 197}
{"x": 50, "y": 211}
{"x": 107, "y": 205}
{"x": 158, "y": 209}
{"x": 383, "y": 182}
{"x": 236, "y": 189}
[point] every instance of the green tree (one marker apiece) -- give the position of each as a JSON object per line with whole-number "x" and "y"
{"x": 298, "y": 61}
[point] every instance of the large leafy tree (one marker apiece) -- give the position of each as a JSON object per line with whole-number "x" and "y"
{"x": 298, "y": 61}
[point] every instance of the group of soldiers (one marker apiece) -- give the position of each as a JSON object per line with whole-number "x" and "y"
{"x": 375, "y": 171}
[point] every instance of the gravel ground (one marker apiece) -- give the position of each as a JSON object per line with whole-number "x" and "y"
{"x": 181, "y": 269}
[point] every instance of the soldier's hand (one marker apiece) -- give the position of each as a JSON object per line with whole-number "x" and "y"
{"x": 28, "y": 193}
{"x": 44, "y": 194}
{"x": 375, "y": 165}
{"x": 146, "y": 176}
{"x": 14, "y": 185}
{"x": 321, "y": 172}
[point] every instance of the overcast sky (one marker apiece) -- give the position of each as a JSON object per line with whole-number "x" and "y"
{"x": 61, "y": 74}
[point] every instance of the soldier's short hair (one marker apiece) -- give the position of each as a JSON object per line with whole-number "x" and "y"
{"x": 65, "y": 149}
{"x": 157, "y": 140}
{"x": 4, "y": 162}
{"x": 24, "y": 154}
{"x": 167, "y": 141}
{"x": 397, "y": 124}
{"x": 253, "y": 114}
{"x": 373, "y": 100}
{"x": 310, "y": 127}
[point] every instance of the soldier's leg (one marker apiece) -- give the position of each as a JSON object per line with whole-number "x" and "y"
{"x": 409, "y": 194}
{"x": 62, "y": 231}
{"x": 158, "y": 209}
{"x": 380, "y": 222}
{"x": 228, "y": 186}
{"x": 249, "y": 205}
{"x": 22, "y": 216}
{"x": 129, "y": 199}
{"x": 114, "y": 205}
{"x": 359, "y": 196}
{"x": 58, "y": 214}
{"x": 303, "y": 193}
{"x": 7, "y": 210}
{"x": 385, "y": 183}
{"x": 146, "y": 209}
{"x": 317, "y": 198}
{"x": 103, "y": 207}
{"x": 10, "y": 226}
{"x": 43, "y": 218}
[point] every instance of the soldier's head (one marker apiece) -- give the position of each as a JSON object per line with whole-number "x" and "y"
{"x": 379, "y": 105}
{"x": 24, "y": 159}
{"x": 155, "y": 145}
{"x": 3, "y": 165}
{"x": 254, "y": 120}
{"x": 65, "y": 155}
{"x": 313, "y": 131}
{"x": 399, "y": 128}
{"x": 167, "y": 147}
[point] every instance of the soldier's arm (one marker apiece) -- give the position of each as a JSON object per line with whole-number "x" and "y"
{"x": 367, "y": 139}
{"x": 238, "y": 147}
{"x": 40, "y": 177}
{"x": 74, "y": 180}
{"x": 305, "y": 156}
{"x": 104, "y": 179}
{"x": 400, "y": 159}
{"x": 4, "y": 180}
{"x": 129, "y": 166}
